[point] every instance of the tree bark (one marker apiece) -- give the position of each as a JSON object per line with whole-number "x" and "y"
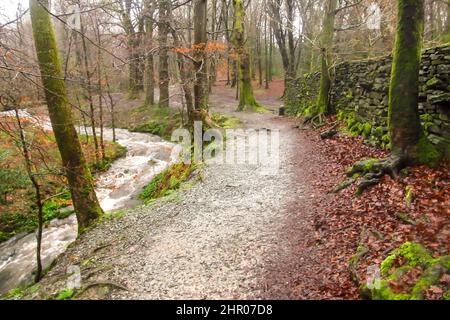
{"x": 163, "y": 30}
{"x": 323, "y": 100}
{"x": 88, "y": 88}
{"x": 408, "y": 141}
{"x": 78, "y": 175}
{"x": 149, "y": 68}
{"x": 134, "y": 57}
{"x": 285, "y": 38}
{"x": 185, "y": 80}
{"x": 200, "y": 39}
{"x": 246, "y": 98}
{"x": 447, "y": 29}
{"x": 266, "y": 55}
{"x": 37, "y": 191}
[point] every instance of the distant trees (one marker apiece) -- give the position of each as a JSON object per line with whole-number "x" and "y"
{"x": 290, "y": 49}
{"x": 78, "y": 175}
{"x": 134, "y": 40}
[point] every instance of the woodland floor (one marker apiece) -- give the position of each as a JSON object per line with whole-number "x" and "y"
{"x": 237, "y": 234}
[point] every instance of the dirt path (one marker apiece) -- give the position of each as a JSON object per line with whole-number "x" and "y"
{"x": 236, "y": 235}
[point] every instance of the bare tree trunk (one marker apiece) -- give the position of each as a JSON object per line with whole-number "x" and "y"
{"x": 266, "y": 55}
{"x": 112, "y": 104}
{"x": 88, "y": 88}
{"x": 271, "y": 54}
{"x": 185, "y": 81}
{"x": 164, "y": 78}
{"x": 37, "y": 189}
{"x": 213, "y": 59}
{"x": 260, "y": 76}
{"x": 200, "y": 40}
{"x": 149, "y": 69}
{"x": 100, "y": 91}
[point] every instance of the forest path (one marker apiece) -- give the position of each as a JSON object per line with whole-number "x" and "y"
{"x": 235, "y": 235}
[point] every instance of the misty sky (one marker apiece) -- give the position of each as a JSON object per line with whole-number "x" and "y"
{"x": 8, "y": 8}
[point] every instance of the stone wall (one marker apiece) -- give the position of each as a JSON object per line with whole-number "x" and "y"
{"x": 360, "y": 96}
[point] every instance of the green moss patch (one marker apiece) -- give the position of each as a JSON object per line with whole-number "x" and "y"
{"x": 408, "y": 273}
{"x": 225, "y": 121}
{"x": 157, "y": 121}
{"x": 166, "y": 182}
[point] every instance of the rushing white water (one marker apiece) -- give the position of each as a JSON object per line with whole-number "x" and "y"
{"x": 147, "y": 155}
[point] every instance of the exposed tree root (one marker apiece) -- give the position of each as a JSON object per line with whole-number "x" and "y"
{"x": 102, "y": 284}
{"x": 360, "y": 252}
{"x": 405, "y": 218}
{"x": 330, "y": 132}
{"x": 316, "y": 121}
{"x": 371, "y": 171}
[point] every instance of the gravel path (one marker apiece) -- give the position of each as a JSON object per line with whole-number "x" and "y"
{"x": 226, "y": 237}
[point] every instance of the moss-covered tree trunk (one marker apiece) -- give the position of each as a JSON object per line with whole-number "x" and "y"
{"x": 326, "y": 44}
{"x": 408, "y": 141}
{"x": 78, "y": 175}
{"x": 163, "y": 30}
{"x": 247, "y": 100}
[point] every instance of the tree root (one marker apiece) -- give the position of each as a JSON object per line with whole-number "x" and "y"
{"x": 371, "y": 171}
{"x": 405, "y": 218}
{"x": 100, "y": 283}
{"x": 316, "y": 121}
{"x": 360, "y": 252}
{"x": 330, "y": 132}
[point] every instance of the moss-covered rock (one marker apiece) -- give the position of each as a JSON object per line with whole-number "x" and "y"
{"x": 397, "y": 269}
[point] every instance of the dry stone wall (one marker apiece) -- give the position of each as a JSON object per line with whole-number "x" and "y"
{"x": 360, "y": 96}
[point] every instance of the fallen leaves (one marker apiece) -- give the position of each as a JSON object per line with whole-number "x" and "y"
{"x": 339, "y": 219}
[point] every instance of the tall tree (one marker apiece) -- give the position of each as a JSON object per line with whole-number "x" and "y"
{"x": 408, "y": 142}
{"x": 88, "y": 88}
{"x": 200, "y": 39}
{"x": 163, "y": 30}
{"x": 78, "y": 175}
{"x": 326, "y": 44}
{"x": 149, "y": 68}
{"x": 246, "y": 98}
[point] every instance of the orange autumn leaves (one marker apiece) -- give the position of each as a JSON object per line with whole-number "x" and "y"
{"x": 210, "y": 47}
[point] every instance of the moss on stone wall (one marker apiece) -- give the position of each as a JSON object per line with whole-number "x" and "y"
{"x": 360, "y": 96}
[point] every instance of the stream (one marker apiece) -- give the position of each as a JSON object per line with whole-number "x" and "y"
{"x": 118, "y": 188}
